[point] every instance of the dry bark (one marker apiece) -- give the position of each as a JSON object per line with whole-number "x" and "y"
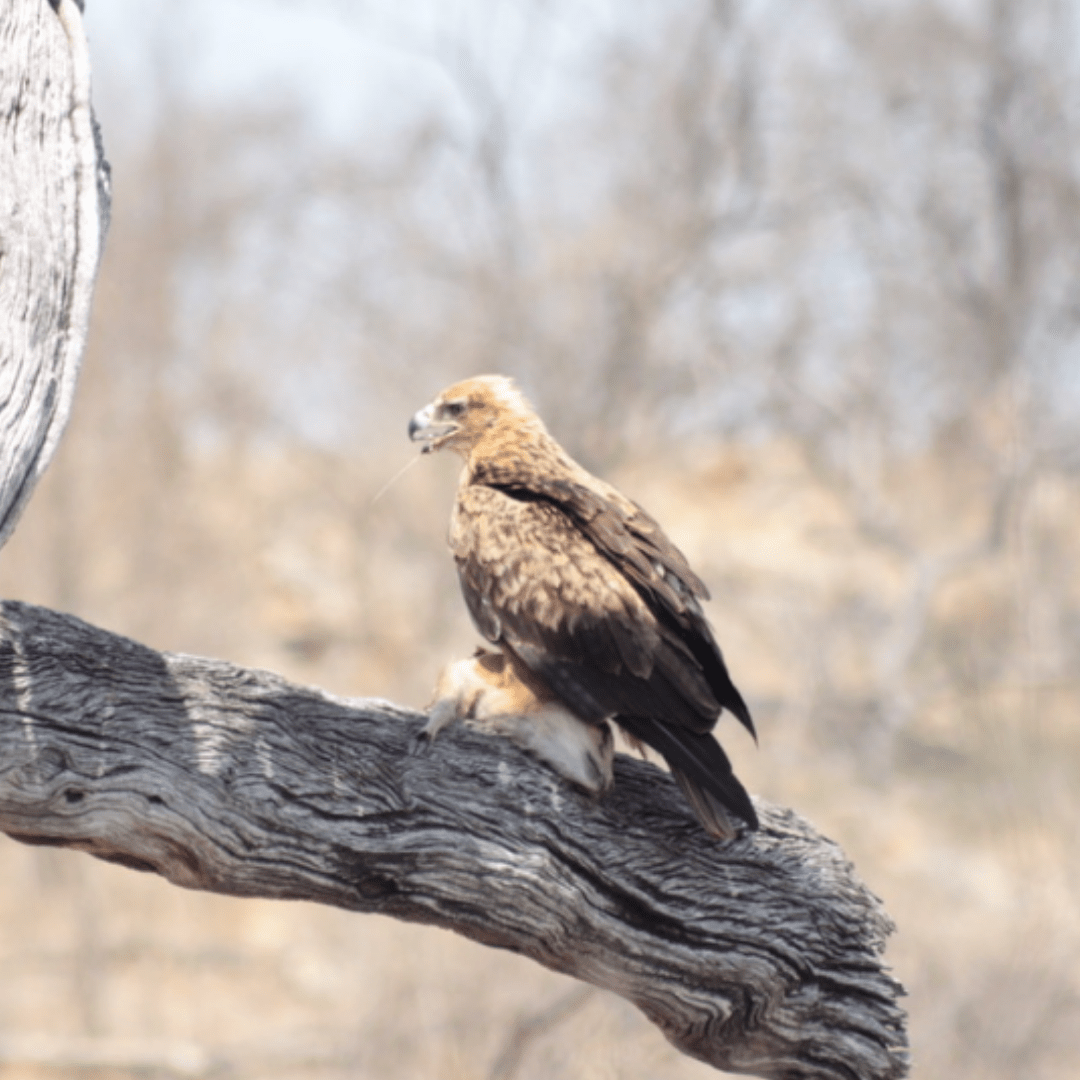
{"x": 761, "y": 956}
{"x": 54, "y": 204}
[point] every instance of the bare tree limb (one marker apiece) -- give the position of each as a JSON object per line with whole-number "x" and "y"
{"x": 54, "y": 203}
{"x": 761, "y": 956}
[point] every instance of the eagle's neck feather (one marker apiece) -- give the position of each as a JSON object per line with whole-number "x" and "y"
{"x": 514, "y": 452}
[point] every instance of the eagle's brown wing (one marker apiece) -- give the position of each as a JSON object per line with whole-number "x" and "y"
{"x": 629, "y": 538}
{"x": 591, "y": 596}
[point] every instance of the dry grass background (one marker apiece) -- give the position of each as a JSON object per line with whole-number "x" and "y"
{"x": 805, "y": 289}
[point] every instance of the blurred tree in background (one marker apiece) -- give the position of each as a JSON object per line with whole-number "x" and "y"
{"x": 805, "y": 279}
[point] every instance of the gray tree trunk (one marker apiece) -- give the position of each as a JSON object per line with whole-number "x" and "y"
{"x": 54, "y": 200}
{"x": 761, "y": 956}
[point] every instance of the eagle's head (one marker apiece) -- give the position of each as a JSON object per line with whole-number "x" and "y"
{"x": 463, "y": 414}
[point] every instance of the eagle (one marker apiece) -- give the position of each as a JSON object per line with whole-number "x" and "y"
{"x": 595, "y": 612}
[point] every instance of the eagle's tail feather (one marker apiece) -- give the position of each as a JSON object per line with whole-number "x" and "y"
{"x": 713, "y": 817}
{"x": 701, "y": 769}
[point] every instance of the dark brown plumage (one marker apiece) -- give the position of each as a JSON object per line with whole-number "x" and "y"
{"x": 578, "y": 583}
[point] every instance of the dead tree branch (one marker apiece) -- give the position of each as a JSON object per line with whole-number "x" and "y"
{"x": 762, "y": 956}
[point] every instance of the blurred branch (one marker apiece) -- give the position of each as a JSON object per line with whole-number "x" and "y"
{"x": 762, "y": 956}
{"x": 65, "y": 1054}
{"x": 56, "y": 205}
{"x": 534, "y": 1026}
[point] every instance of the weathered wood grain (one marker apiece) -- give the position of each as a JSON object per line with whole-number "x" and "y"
{"x": 54, "y": 199}
{"x": 761, "y": 956}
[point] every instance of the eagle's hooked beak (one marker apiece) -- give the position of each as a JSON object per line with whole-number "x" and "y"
{"x": 423, "y": 429}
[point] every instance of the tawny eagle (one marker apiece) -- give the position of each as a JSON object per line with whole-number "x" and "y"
{"x": 583, "y": 593}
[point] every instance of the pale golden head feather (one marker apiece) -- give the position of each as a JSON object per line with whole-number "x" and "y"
{"x": 475, "y": 416}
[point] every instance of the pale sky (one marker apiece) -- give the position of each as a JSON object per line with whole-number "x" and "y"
{"x": 347, "y": 64}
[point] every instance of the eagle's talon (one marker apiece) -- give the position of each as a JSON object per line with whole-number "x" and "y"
{"x": 443, "y": 713}
{"x": 420, "y": 743}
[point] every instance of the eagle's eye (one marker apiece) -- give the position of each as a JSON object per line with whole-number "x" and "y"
{"x": 454, "y": 408}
